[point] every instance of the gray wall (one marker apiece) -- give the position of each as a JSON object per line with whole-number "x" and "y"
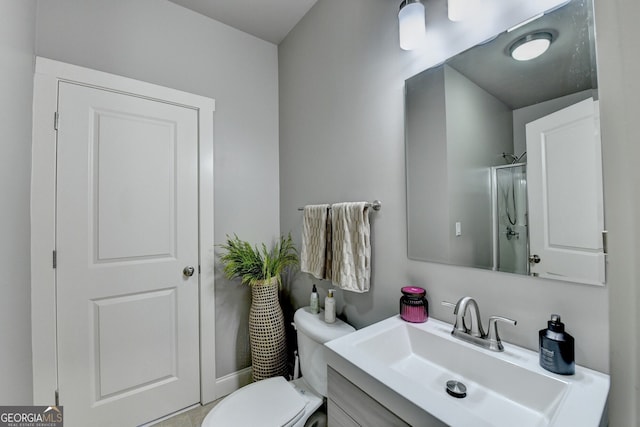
{"x": 479, "y": 130}
{"x": 342, "y": 138}
{"x": 17, "y": 30}
{"x": 619, "y": 90}
{"x": 455, "y": 131}
{"x": 427, "y": 181}
{"x": 159, "y": 42}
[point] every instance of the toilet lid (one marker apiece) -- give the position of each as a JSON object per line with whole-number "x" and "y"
{"x": 270, "y": 402}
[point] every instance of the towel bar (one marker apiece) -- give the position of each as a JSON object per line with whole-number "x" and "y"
{"x": 375, "y": 205}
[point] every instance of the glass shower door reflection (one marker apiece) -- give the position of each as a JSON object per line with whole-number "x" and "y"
{"x": 510, "y": 218}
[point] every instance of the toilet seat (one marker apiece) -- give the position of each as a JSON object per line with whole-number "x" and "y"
{"x": 270, "y": 402}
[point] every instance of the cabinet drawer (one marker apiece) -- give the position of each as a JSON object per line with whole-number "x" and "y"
{"x": 356, "y": 405}
{"x": 336, "y": 417}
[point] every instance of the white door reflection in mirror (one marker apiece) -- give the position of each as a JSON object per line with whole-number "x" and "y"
{"x": 565, "y": 195}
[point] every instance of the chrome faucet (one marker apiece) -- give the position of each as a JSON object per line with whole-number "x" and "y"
{"x": 460, "y": 310}
{"x": 474, "y": 333}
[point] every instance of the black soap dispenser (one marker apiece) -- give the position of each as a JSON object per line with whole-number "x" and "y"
{"x": 557, "y": 348}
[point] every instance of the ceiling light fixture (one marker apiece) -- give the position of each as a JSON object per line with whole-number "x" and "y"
{"x": 411, "y": 24}
{"x": 530, "y": 46}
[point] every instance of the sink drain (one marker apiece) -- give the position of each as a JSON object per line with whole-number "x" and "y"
{"x": 456, "y": 389}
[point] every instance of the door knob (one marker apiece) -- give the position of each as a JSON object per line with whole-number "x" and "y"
{"x": 188, "y": 271}
{"x": 534, "y": 259}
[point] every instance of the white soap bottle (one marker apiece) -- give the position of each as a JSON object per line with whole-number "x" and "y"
{"x": 330, "y": 308}
{"x": 313, "y": 300}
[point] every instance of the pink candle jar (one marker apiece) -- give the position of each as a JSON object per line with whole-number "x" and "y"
{"x": 414, "y": 307}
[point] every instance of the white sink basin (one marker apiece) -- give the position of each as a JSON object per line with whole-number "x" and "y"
{"x": 503, "y": 389}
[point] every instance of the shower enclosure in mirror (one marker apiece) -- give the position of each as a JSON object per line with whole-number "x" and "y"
{"x": 503, "y": 156}
{"x": 509, "y": 218}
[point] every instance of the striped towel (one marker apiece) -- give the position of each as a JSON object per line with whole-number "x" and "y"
{"x": 313, "y": 256}
{"x": 351, "y": 246}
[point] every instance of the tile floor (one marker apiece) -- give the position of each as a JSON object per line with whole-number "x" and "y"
{"x": 191, "y": 418}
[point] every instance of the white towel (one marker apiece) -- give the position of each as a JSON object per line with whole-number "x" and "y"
{"x": 351, "y": 248}
{"x": 313, "y": 256}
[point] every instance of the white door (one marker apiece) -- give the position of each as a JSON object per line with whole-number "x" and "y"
{"x": 565, "y": 195}
{"x": 126, "y": 227}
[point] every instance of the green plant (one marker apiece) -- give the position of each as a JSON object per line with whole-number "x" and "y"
{"x": 255, "y": 264}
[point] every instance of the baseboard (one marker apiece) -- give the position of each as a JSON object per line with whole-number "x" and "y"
{"x": 232, "y": 382}
{"x": 166, "y": 417}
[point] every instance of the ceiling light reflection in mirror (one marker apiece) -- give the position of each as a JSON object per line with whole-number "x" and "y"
{"x": 530, "y": 46}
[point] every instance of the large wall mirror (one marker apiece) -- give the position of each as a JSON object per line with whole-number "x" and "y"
{"x": 504, "y": 168}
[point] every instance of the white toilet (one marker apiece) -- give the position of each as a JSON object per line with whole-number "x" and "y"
{"x": 274, "y": 402}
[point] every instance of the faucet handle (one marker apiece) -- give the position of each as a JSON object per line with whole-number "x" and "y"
{"x": 503, "y": 319}
{"x": 494, "y": 339}
{"x": 448, "y": 304}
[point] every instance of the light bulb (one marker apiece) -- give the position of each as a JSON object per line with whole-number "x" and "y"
{"x": 459, "y": 10}
{"x": 412, "y": 25}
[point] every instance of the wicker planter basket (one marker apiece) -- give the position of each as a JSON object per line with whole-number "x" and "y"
{"x": 266, "y": 331}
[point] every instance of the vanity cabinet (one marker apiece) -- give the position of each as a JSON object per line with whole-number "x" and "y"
{"x": 349, "y": 406}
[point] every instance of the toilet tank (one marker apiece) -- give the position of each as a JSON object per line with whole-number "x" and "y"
{"x": 313, "y": 332}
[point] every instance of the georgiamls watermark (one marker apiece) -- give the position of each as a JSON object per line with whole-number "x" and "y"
{"x": 31, "y": 416}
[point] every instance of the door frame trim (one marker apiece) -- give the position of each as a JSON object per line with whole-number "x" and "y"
{"x": 48, "y": 73}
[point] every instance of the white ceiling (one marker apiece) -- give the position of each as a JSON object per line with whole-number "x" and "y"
{"x": 270, "y": 20}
